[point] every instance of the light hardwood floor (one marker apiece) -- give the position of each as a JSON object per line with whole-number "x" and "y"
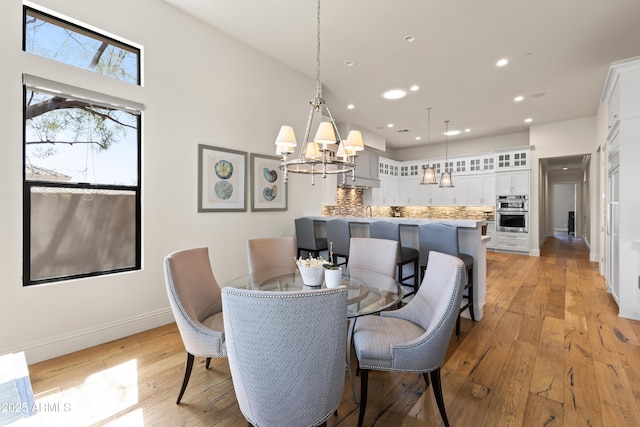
{"x": 549, "y": 351}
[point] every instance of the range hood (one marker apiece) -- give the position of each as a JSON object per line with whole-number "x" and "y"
{"x": 360, "y": 182}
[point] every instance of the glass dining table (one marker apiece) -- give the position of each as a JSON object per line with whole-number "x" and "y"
{"x": 367, "y": 293}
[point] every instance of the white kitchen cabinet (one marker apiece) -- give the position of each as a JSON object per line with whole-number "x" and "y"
{"x": 620, "y": 95}
{"x": 513, "y": 159}
{"x": 474, "y": 192}
{"x": 514, "y": 182}
{"x": 491, "y": 232}
{"x": 517, "y": 242}
{"x": 459, "y": 194}
{"x": 388, "y": 193}
{"x": 488, "y": 189}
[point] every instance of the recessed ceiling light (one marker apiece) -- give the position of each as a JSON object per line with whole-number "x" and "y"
{"x": 565, "y": 168}
{"x": 390, "y": 125}
{"x": 502, "y": 62}
{"x": 528, "y": 120}
{"x": 452, "y": 132}
{"x": 351, "y": 106}
{"x": 418, "y": 138}
{"x": 349, "y": 63}
{"x": 409, "y": 38}
{"x": 394, "y": 94}
{"x": 518, "y": 98}
{"x": 414, "y": 88}
{"x": 467, "y": 130}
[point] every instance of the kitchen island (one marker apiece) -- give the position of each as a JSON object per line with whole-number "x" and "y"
{"x": 471, "y": 242}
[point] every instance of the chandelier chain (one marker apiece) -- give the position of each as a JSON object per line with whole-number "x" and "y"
{"x": 318, "y": 84}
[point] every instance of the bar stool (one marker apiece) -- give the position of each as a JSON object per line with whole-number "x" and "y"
{"x": 306, "y": 237}
{"x": 406, "y": 255}
{"x": 339, "y": 233}
{"x": 444, "y": 238}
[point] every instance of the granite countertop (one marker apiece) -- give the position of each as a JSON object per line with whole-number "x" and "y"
{"x": 467, "y": 223}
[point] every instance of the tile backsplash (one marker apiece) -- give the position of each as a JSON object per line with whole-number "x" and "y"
{"x": 350, "y": 202}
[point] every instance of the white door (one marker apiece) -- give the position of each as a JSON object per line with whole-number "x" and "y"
{"x": 613, "y": 244}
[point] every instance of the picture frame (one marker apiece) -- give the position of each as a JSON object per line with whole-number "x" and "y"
{"x": 222, "y": 181}
{"x": 268, "y": 189}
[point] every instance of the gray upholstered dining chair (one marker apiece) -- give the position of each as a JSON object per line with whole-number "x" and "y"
{"x": 413, "y": 338}
{"x": 445, "y": 238}
{"x": 377, "y": 255}
{"x": 271, "y": 252}
{"x": 286, "y": 353}
{"x": 307, "y": 239}
{"x": 406, "y": 255}
{"x": 338, "y": 238}
{"x": 196, "y": 303}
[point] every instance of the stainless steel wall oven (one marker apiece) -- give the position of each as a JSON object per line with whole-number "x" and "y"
{"x": 512, "y": 213}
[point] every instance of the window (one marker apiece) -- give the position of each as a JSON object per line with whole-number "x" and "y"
{"x": 62, "y": 41}
{"x": 82, "y": 157}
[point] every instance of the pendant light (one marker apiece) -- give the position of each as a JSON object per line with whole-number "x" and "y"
{"x": 445, "y": 178}
{"x": 428, "y": 172}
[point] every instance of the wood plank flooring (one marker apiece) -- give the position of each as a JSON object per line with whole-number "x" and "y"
{"x": 550, "y": 351}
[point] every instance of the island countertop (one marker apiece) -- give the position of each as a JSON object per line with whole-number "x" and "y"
{"x": 465, "y": 223}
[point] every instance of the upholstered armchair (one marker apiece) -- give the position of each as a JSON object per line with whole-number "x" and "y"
{"x": 377, "y": 255}
{"x": 194, "y": 296}
{"x": 271, "y": 252}
{"x": 286, "y": 353}
{"x": 444, "y": 238}
{"x": 415, "y": 337}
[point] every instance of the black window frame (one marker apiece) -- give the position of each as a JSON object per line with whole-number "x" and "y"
{"x": 81, "y": 30}
{"x": 28, "y": 185}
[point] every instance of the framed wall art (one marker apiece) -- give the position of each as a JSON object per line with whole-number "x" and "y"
{"x": 268, "y": 190}
{"x": 222, "y": 183}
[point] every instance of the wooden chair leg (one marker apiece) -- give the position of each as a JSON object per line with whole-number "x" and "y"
{"x": 208, "y": 363}
{"x": 458, "y": 326}
{"x": 437, "y": 391}
{"x": 364, "y": 383}
{"x": 187, "y": 373}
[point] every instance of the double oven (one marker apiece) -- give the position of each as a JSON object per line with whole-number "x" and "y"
{"x": 512, "y": 213}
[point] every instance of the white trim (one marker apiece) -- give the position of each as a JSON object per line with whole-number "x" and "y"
{"x": 37, "y": 351}
{"x": 56, "y": 88}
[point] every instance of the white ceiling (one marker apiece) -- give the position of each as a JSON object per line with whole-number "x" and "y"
{"x": 559, "y": 52}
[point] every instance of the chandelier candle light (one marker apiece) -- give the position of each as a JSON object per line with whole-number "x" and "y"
{"x": 428, "y": 171}
{"x": 320, "y": 155}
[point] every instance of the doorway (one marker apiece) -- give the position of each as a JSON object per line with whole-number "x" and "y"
{"x": 564, "y": 209}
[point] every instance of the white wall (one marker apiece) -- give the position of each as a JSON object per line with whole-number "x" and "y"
{"x": 564, "y": 200}
{"x": 569, "y": 137}
{"x": 460, "y": 147}
{"x": 199, "y": 87}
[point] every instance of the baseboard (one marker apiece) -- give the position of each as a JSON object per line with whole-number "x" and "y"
{"x": 38, "y": 351}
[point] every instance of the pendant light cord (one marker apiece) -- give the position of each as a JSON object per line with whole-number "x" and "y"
{"x": 446, "y": 144}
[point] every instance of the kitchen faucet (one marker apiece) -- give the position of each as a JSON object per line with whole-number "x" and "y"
{"x": 368, "y": 208}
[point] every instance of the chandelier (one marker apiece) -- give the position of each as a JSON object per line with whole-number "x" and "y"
{"x": 445, "y": 178}
{"x": 428, "y": 172}
{"x": 327, "y": 152}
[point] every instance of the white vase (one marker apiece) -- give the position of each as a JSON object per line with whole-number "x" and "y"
{"x": 311, "y": 276}
{"x": 333, "y": 278}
